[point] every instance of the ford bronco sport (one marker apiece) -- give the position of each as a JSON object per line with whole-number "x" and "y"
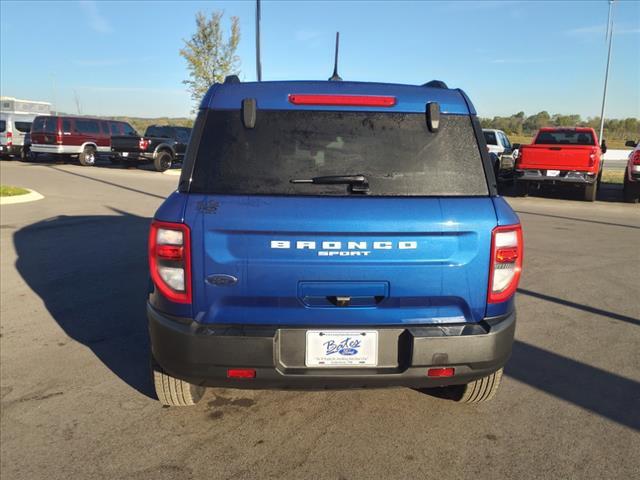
{"x": 333, "y": 235}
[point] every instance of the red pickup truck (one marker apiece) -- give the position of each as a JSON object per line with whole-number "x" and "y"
{"x": 562, "y": 156}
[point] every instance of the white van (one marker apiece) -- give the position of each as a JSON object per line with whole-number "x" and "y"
{"x": 13, "y": 128}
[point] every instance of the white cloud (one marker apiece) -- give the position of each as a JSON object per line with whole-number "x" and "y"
{"x": 109, "y": 62}
{"x": 520, "y": 61}
{"x": 306, "y": 35}
{"x": 97, "y": 88}
{"x": 601, "y": 30}
{"x": 97, "y": 22}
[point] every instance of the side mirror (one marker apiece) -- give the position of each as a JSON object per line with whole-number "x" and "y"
{"x": 603, "y": 146}
{"x": 630, "y": 143}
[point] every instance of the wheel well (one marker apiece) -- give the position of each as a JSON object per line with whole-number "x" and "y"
{"x": 164, "y": 149}
{"x": 89, "y": 144}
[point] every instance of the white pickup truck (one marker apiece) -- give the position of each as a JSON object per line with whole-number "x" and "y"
{"x": 506, "y": 154}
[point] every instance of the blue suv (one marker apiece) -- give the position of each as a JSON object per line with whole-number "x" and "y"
{"x": 333, "y": 235}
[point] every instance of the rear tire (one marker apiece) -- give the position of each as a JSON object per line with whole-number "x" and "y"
{"x": 590, "y": 192}
{"x": 478, "y": 391}
{"x": 163, "y": 161}
{"x": 631, "y": 192}
{"x": 172, "y": 391}
{"x": 88, "y": 156}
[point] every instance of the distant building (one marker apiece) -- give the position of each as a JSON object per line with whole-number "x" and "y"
{"x": 14, "y": 105}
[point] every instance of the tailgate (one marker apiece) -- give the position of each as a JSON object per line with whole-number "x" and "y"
{"x": 296, "y": 259}
{"x": 125, "y": 143}
{"x": 557, "y": 157}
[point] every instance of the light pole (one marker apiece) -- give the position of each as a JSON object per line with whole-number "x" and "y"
{"x": 258, "y": 64}
{"x": 606, "y": 74}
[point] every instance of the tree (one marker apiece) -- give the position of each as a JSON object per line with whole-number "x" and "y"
{"x": 209, "y": 58}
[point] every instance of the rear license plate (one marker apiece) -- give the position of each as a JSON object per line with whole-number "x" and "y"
{"x": 553, "y": 173}
{"x": 125, "y": 154}
{"x": 341, "y": 348}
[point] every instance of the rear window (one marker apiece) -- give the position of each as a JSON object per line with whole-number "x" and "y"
{"x": 114, "y": 128}
{"x": 183, "y": 134}
{"x": 3, "y": 125}
{"x": 45, "y": 125}
{"x": 565, "y": 137}
{"x": 490, "y": 138}
{"x": 161, "y": 132}
{"x": 87, "y": 126}
{"x": 24, "y": 127}
{"x": 395, "y": 151}
{"x": 128, "y": 130}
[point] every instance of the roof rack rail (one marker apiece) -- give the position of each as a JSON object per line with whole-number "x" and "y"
{"x": 435, "y": 84}
{"x": 231, "y": 79}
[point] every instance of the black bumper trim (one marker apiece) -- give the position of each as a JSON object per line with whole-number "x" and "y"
{"x": 201, "y": 354}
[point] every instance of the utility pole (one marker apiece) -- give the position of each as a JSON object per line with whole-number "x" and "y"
{"x": 606, "y": 75}
{"x": 258, "y": 65}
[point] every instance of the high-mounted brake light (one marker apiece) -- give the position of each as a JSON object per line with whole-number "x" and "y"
{"x": 506, "y": 262}
{"x": 342, "y": 100}
{"x": 170, "y": 260}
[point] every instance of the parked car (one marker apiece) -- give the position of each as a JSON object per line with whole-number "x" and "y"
{"x": 632, "y": 174}
{"x": 161, "y": 144}
{"x": 82, "y": 137}
{"x": 504, "y": 153}
{"x": 570, "y": 157}
{"x": 333, "y": 235}
{"x": 13, "y": 128}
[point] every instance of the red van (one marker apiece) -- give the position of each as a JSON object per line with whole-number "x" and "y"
{"x": 70, "y": 136}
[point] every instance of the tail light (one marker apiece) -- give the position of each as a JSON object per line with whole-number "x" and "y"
{"x": 592, "y": 157}
{"x": 170, "y": 260}
{"x": 59, "y": 137}
{"x": 635, "y": 160}
{"x": 506, "y": 262}
{"x": 143, "y": 144}
{"x": 9, "y": 139}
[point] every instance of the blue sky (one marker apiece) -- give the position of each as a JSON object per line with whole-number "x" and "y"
{"x": 121, "y": 58}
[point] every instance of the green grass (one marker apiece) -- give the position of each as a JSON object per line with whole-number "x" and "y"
{"x": 524, "y": 140}
{"x": 9, "y": 191}
{"x": 613, "y": 176}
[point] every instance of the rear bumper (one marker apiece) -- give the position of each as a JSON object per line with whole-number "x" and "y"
{"x": 202, "y": 354}
{"x": 10, "y": 149}
{"x": 565, "y": 176}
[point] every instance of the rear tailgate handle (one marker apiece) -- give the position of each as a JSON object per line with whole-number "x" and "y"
{"x": 347, "y": 301}
{"x": 555, "y": 148}
{"x": 342, "y": 294}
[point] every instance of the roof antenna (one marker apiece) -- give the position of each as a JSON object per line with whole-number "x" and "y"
{"x": 335, "y": 77}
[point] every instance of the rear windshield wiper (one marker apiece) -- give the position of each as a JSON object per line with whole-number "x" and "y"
{"x": 357, "y": 183}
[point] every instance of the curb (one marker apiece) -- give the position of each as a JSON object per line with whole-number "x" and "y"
{"x": 173, "y": 172}
{"x": 32, "y": 196}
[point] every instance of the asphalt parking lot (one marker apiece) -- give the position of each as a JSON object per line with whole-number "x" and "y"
{"x": 77, "y": 399}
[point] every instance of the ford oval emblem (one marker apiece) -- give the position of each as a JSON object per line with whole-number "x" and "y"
{"x": 222, "y": 280}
